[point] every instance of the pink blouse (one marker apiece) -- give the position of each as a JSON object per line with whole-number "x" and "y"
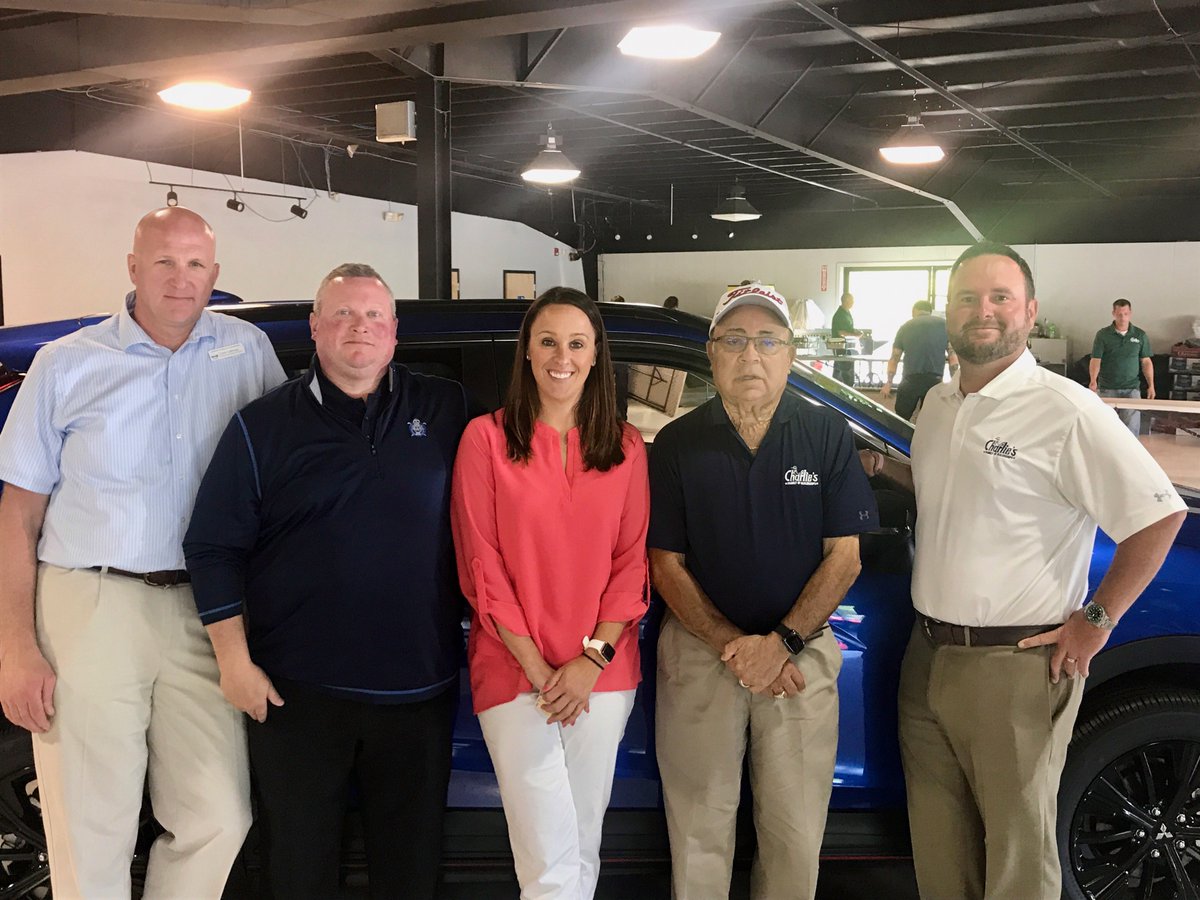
{"x": 548, "y": 552}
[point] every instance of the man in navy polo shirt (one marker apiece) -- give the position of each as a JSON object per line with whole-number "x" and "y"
{"x": 322, "y": 566}
{"x": 757, "y": 501}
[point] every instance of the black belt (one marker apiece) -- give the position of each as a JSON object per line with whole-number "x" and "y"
{"x": 945, "y": 633}
{"x": 163, "y": 578}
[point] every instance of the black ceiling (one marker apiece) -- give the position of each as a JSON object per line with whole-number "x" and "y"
{"x": 1062, "y": 121}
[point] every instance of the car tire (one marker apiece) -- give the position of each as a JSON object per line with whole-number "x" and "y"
{"x": 1129, "y": 800}
{"x": 24, "y": 869}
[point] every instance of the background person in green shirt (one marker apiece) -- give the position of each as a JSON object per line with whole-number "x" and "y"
{"x": 843, "y": 326}
{"x": 1118, "y": 352}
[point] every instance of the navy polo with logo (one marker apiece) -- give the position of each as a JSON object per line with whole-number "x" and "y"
{"x": 751, "y": 525}
{"x": 325, "y": 520}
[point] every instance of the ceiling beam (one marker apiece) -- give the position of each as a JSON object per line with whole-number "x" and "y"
{"x": 833, "y": 22}
{"x": 103, "y": 49}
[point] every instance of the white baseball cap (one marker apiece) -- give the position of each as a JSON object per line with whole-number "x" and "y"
{"x": 750, "y": 294}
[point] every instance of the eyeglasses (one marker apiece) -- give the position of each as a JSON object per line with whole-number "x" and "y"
{"x": 736, "y": 343}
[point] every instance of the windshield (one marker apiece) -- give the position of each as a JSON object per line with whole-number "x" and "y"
{"x": 856, "y": 404}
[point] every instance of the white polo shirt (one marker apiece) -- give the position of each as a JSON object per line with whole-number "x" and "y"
{"x": 1011, "y": 483}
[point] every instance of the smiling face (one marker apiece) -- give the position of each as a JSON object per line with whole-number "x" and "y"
{"x": 562, "y": 352}
{"x": 173, "y": 269}
{"x": 746, "y": 376}
{"x": 988, "y": 316}
{"x": 354, "y": 330}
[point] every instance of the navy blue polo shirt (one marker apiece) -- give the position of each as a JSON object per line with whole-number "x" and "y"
{"x": 751, "y": 525}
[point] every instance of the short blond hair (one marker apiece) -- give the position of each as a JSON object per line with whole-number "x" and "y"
{"x": 347, "y": 270}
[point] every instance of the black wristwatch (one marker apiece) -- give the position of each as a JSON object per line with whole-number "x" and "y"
{"x": 791, "y": 639}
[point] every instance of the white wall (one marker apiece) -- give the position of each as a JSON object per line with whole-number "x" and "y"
{"x": 1076, "y": 283}
{"x": 67, "y": 218}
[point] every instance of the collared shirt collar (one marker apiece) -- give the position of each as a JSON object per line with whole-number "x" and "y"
{"x": 130, "y": 333}
{"x": 1009, "y": 380}
{"x": 336, "y": 401}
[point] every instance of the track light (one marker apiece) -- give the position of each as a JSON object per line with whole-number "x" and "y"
{"x": 551, "y": 166}
{"x": 235, "y": 204}
{"x": 299, "y": 211}
{"x": 172, "y": 197}
{"x": 735, "y": 207}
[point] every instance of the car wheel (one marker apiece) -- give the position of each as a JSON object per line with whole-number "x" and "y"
{"x": 24, "y": 864}
{"x": 24, "y": 869}
{"x": 1129, "y": 801}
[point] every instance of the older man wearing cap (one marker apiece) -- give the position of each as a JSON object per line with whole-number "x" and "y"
{"x": 757, "y": 502}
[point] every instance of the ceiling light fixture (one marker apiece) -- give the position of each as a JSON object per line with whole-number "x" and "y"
{"x": 551, "y": 166}
{"x": 298, "y": 211}
{"x": 913, "y": 144}
{"x": 172, "y": 197}
{"x": 210, "y": 96}
{"x": 235, "y": 204}
{"x": 667, "y": 42}
{"x": 735, "y": 207}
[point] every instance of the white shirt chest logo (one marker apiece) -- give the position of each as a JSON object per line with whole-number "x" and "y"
{"x": 801, "y": 477}
{"x": 997, "y": 447}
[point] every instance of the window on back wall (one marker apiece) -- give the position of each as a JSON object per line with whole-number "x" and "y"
{"x": 884, "y": 295}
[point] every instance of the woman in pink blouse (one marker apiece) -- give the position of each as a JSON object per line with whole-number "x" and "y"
{"x": 550, "y": 507}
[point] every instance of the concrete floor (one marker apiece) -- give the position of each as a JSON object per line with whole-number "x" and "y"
{"x": 839, "y": 880}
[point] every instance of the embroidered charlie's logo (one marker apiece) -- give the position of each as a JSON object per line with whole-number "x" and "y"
{"x": 800, "y": 476}
{"x": 1000, "y": 448}
{"x": 417, "y": 428}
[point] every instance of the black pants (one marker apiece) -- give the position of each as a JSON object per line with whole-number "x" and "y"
{"x": 843, "y": 371}
{"x": 912, "y": 391}
{"x": 305, "y": 758}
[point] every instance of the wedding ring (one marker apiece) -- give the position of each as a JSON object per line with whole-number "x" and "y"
{"x": 1071, "y": 660}
{"x": 742, "y": 683}
{"x": 781, "y": 695}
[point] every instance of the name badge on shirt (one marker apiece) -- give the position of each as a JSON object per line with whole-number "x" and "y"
{"x": 226, "y": 352}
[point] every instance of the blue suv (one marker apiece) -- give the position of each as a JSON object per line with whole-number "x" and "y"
{"x": 1134, "y": 759}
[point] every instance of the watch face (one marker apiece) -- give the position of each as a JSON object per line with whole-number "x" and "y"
{"x": 791, "y": 640}
{"x": 607, "y": 651}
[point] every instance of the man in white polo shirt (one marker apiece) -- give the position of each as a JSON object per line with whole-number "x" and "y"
{"x": 1014, "y": 467}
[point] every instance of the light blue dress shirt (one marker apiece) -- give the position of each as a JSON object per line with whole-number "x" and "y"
{"x": 118, "y": 430}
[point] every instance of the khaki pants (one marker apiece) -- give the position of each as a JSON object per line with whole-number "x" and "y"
{"x": 983, "y": 737}
{"x": 705, "y": 720}
{"x": 137, "y": 691}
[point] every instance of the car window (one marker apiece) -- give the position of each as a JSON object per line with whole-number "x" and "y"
{"x": 654, "y": 395}
{"x": 469, "y": 363}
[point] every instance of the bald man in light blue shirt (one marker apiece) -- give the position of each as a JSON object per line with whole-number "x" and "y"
{"x": 102, "y": 655}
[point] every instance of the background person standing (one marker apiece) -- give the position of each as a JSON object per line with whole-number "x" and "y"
{"x": 924, "y": 345}
{"x": 843, "y": 326}
{"x": 1119, "y": 351}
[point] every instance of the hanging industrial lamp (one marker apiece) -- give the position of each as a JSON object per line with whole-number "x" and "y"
{"x": 913, "y": 144}
{"x": 551, "y": 166}
{"x": 735, "y": 207}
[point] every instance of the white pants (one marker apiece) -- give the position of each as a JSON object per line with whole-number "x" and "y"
{"x": 137, "y": 691}
{"x": 555, "y": 782}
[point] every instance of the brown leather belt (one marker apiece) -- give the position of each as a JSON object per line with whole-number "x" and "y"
{"x": 947, "y": 634}
{"x": 164, "y": 578}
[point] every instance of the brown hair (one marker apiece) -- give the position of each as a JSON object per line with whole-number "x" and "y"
{"x": 596, "y": 412}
